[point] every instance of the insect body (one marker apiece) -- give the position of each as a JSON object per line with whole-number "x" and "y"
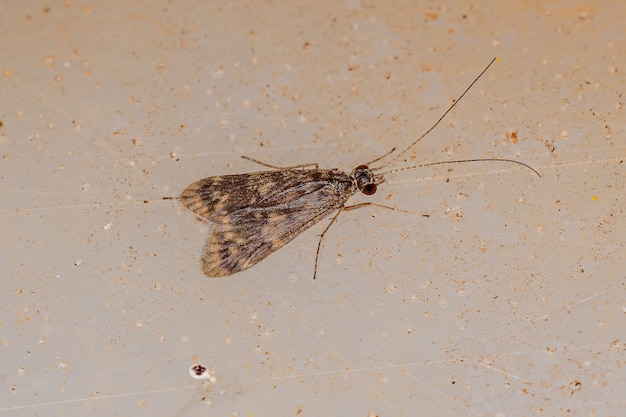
{"x": 259, "y": 212}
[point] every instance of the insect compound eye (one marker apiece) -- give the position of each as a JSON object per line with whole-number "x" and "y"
{"x": 362, "y": 167}
{"x": 369, "y": 189}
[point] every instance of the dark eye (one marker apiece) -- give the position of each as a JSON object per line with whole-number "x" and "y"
{"x": 361, "y": 168}
{"x": 369, "y": 189}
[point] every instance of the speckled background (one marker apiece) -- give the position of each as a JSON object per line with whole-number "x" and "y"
{"x": 508, "y": 300}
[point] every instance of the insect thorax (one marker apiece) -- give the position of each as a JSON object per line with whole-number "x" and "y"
{"x": 340, "y": 181}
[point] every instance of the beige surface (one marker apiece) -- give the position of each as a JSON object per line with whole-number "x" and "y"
{"x": 508, "y": 300}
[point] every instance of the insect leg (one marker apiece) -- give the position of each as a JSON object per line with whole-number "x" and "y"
{"x": 319, "y": 244}
{"x": 380, "y": 157}
{"x": 356, "y": 206}
{"x": 281, "y": 168}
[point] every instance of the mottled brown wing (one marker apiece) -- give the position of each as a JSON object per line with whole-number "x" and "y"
{"x": 214, "y": 198}
{"x": 260, "y": 212}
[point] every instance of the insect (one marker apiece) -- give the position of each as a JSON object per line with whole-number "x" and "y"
{"x": 258, "y": 213}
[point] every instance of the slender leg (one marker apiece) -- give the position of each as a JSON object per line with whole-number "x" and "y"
{"x": 380, "y": 157}
{"x": 281, "y": 168}
{"x": 354, "y": 207}
{"x": 357, "y": 206}
{"x": 319, "y": 244}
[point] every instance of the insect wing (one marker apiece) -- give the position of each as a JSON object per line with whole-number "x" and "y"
{"x": 214, "y": 198}
{"x": 245, "y": 236}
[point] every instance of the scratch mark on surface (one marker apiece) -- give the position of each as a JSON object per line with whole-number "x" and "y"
{"x": 79, "y": 400}
{"x": 493, "y": 368}
{"x": 596, "y": 295}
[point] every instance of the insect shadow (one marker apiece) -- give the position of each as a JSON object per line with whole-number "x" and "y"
{"x": 258, "y": 213}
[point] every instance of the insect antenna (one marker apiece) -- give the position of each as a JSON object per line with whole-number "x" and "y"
{"x": 398, "y": 156}
{"x": 461, "y": 161}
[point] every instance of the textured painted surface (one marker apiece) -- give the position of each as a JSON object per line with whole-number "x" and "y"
{"x": 509, "y": 300}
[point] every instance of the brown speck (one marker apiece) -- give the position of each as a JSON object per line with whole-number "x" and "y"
{"x": 575, "y": 386}
{"x": 512, "y": 136}
{"x": 49, "y": 60}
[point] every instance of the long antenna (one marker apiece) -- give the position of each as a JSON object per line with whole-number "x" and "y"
{"x": 460, "y": 161}
{"x": 395, "y": 158}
